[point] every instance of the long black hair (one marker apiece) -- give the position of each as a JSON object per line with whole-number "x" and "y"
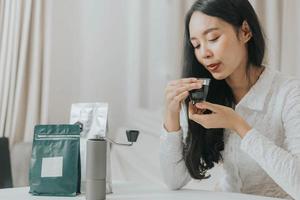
{"x": 203, "y": 146}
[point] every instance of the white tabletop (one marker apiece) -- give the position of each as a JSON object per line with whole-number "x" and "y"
{"x": 136, "y": 191}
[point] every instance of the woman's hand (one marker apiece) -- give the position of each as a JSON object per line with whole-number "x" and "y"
{"x": 221, "y": 117}
{"x": 175, "y": 93}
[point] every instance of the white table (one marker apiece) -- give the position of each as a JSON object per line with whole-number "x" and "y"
{"x": 136, "y": 191}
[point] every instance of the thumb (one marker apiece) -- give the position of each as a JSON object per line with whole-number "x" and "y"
{"x": 207, "y": 105}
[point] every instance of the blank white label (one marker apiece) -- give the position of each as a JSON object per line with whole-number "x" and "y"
{"x": 52, "y": 167}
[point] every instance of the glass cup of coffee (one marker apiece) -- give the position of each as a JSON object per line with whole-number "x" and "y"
{"x": 199, "y": 95}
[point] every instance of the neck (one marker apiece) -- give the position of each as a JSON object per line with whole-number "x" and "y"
{"x": 241, "y": 80}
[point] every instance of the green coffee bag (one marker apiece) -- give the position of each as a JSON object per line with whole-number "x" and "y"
{"x": 55, "y": 160}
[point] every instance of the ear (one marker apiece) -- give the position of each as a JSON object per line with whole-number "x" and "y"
{"x": 245, "y": 32}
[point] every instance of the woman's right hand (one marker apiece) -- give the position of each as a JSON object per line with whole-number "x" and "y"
{"x": 176, "y": 92}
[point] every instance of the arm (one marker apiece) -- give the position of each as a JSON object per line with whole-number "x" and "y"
{"x": 283, "y": 165}
{"x": 173, "y": 168}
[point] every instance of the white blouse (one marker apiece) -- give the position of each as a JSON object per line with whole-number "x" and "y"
{"x": 267, "y": 160}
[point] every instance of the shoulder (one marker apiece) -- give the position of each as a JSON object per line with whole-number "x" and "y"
{"x": 284, "y": 83}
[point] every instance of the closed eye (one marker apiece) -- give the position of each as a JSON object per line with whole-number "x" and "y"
{"x": 197, "y": 46}
{"x": 214, "y": 39}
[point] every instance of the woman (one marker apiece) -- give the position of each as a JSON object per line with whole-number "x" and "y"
{"x": 251, "y": 120}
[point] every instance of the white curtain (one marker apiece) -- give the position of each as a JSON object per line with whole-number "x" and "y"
{"x": 23, "y": 88}
{"x": 281, "y": 24}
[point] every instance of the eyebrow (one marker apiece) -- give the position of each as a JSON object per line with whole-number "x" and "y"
{"x": 206, "y": 32}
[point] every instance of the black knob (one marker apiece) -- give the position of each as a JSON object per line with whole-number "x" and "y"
{"x": 132, "y": 135}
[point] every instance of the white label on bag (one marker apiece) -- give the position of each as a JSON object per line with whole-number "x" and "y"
{"x": 52, "y": 167}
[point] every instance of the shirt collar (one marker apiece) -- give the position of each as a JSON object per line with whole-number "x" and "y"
{"x": 256, "y": 96}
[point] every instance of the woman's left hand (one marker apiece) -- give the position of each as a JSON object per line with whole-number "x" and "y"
{"x": 221, "y": 117}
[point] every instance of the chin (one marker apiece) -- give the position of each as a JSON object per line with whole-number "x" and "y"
{"x": 219, "y": 76}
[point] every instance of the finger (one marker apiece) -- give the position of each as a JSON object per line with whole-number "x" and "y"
{"x": 194, "y": 86}
{"x": 189, "y": 87}
{"x": 171, "y": 95}
{"x": 183, "y": 81}
{"x": 181, "y": 97}
{"x": 207, "y": 121}
{"x": 177, "y": 96}
{"x": 193, "y": 110}
{"x": 186, "y": 87}
{"x": 189, "y": 80}
{"x": 175, "y": 90}
{"x": 207, "y": 105}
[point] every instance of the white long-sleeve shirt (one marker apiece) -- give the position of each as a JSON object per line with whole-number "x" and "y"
{"x": 267, "y": 160}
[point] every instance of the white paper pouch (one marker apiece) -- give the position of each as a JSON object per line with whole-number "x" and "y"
{"x": 93, "y": 116}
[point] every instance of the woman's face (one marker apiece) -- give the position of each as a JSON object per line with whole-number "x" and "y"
{"x": 217, "y": 45}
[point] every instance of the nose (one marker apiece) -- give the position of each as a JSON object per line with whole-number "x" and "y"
{"x": 206, "y": 52}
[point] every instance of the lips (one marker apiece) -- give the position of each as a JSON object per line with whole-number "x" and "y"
{"x": 213, "y": 67}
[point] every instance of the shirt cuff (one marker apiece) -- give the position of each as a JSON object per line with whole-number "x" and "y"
{"x": 172, "y": 136}
{"x": 249, "y": 139}
{"x": 171, "y": 142}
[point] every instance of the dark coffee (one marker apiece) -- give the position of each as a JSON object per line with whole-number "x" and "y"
{"x": 199, "y": 95}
